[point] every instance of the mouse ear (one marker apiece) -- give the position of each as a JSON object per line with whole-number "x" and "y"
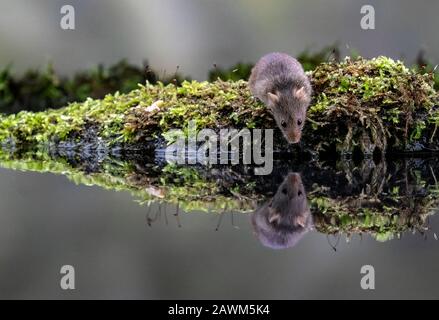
{"x": 300, "y": 93}
{"x": 272, "y": 98}
{"x": 301, "y": 221}
{"x": 273, "y": 215}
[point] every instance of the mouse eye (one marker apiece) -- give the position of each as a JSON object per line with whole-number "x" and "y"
{"x": 299, "y": 193}
{"x": 299, "y": 122}
{"x": 284, "y": 191}
{"x": 283, "y": 124}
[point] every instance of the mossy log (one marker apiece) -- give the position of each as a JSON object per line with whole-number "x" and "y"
{"x": 365, "y": 105}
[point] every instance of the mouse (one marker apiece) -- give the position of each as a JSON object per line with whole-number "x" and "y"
{"x": 286, "y": 218}
{"x": 279, "y": 81}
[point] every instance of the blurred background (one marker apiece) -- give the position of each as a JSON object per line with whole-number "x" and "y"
{"x": 116, "y": 45}
{"x": 196, "y": 34}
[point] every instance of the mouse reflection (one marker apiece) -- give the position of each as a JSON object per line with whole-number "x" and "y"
{"x": 286, "y": 218}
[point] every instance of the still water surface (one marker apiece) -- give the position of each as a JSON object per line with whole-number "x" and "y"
{"x": 46, "y": 221}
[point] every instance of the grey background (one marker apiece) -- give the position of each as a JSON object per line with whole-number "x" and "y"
{"x": 195, "y": 34}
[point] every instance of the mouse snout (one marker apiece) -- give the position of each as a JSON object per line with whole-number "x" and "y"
{"x": 294, "y": 178}
{"x": 294, "y": 136}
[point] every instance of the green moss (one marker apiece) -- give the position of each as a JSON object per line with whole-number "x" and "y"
{"x": 380, "y": 82}
{"x": 374, "y": 101}
{"x": 29, "y": 128}
{"x": 210, "y": 105}
{"x": 124, "y": 116}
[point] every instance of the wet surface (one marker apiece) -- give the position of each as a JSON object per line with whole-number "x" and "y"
{"x": 325, "y": 220}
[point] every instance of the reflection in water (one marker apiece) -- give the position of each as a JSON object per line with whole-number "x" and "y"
{"x": 154, "y": 216}
{"x": 384, "y": 199}
{"x": 281, "y": 222}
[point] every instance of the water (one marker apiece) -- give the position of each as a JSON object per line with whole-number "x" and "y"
{"x": 121, "y": 249}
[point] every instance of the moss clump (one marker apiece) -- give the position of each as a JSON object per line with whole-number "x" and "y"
{"x": 373, "y": 103}
{"x": 220, "y": 104}
{"x": 28, "y": 129}
{"x": 366, "y": 84}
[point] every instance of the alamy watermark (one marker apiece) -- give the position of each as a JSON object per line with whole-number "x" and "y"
{"x": 67, "y": 281}
{"x": 367, "y": 21}
{"x": 68, "y": 17}
{"x": 368, "y": 280}
{"x": 209, "y": 147}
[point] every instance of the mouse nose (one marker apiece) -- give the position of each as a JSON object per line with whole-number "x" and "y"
{"x": 295, "y": 137}
{"x": 294, "y": 177}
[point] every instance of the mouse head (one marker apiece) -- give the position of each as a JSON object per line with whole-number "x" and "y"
{"x": 289, "y": 110}
{"x": 289, "y": 206}
{"x": 284, "y": 220}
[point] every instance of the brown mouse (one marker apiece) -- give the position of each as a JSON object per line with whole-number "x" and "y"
{"x": 280, "y": 82}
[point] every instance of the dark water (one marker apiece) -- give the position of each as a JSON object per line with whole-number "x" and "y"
{"x": 46, "y": 221}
